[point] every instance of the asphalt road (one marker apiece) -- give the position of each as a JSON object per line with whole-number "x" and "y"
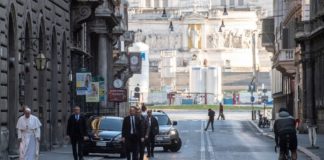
{"x": 233, "y": 139}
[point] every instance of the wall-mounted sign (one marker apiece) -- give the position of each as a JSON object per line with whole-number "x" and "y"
{"x": 102, "y": 91}
{"x": 117, "y": 95}
{"x": 93, "y": 94}
{"x": 83, "y": 83}
{"x": 135, "y": 60}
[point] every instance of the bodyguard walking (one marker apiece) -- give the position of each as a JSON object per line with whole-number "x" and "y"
{"x": 132, "y": 132}
{"x": 211, "y": 115}
{"x": 151, "y": 131}
{"x": 143, "y": 127}
{"x": 77, "y": 131}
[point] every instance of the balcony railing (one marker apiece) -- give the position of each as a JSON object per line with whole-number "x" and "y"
{"x": 286, "y": 55}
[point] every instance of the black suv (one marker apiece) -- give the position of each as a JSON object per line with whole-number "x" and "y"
{"x": 168, "y": 137}
{"x": 104, "y": 136}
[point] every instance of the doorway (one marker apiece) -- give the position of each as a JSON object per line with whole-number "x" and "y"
{"x": 12, "y": 86}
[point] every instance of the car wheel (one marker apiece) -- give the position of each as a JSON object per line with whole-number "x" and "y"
{"x": 176, "y": 145}
{"x": 85, "y": 153}
{"x": 165, "y": 149}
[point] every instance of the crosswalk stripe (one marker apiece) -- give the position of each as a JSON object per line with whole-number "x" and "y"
{"x": 202, "y": 139}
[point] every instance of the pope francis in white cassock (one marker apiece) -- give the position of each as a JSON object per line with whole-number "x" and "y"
{"x": 28, "y": 127}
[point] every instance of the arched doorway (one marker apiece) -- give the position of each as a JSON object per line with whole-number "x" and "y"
{"x": 12, "y": 87}
{"x": 41, "y": 89}
{"x": 64, "y": 81}
{"x": 27, "y": 72}
{"x": 54, "y": 90}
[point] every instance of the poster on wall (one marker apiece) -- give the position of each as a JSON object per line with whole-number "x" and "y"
{"x": 83, "y": 83}
{"x": 93, "y": 94}
{"x": 102, "y": 92}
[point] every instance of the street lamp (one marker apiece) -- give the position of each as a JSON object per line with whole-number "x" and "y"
{"x": 220, "y": 29}
{"x": 222, "y": 25}
{"x": 225, "y": 13}
{"x": 40, "y": 62}
{"x": 164, "y": 13}
{"x": 171, "y": 26}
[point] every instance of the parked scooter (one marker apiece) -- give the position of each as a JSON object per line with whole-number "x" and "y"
{"x": 263, "y": 121}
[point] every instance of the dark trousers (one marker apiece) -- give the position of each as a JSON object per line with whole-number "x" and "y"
{"x": 132, "y": 147}
{"x": 150, "y": 142}
{"x": 221, "y": 114}
{"x": 141, "y": 146}
{"x": 210, "y": 121}
{"x": 77, "y": 147}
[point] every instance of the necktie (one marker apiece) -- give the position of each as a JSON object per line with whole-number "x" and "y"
{"x": 134, "y": 127}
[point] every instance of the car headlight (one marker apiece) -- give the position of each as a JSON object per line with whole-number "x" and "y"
{"x": 173, "y": 132}
{"x": 118, "y": 138}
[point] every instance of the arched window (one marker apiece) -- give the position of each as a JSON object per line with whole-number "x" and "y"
{"x": 148, "y": 3}
{"x": 232, "y": 3}
{"x": 156, "y": 3}
{"x": 165, "y": 3}
{"x": 240, "y": 2}
{"x": 223, "y": 2}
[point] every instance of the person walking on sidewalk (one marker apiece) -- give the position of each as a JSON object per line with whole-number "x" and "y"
{"x": 221, "y": 112}
{"x": 77, "y": 131}
{"x": 211, "y": 115}
{"x": 151, "y": 131}
{"x": 29, "y": 133}
{"x": 284, "y": 129}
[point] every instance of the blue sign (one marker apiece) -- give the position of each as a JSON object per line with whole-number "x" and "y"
{"x": 252, "y": 98}
{"x": 143, "y": 56}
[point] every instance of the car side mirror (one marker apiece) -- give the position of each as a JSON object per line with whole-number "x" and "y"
{"x": 175, "y": 123}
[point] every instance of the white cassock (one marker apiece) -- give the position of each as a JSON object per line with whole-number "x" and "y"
{"x": 29, "y": 131}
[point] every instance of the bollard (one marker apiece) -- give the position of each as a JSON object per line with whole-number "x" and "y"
{"x": 312, "y": 137}
{"x": 4, "y": 138}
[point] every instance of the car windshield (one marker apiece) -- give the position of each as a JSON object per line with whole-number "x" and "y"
{"x": 163, "y": 119}
{"x": 111, "y": 124}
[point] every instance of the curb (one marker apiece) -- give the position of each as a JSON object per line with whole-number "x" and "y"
{"x": 300, "y": 148}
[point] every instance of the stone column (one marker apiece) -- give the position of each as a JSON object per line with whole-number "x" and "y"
{"x": 185, "y": 37}
{"x": 309, "y": 103}
{"x": 203, "y": 36}
{"x": 102, "y": 61}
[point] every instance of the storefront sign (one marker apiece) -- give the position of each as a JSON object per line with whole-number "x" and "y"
{"x": 117, "y": 95}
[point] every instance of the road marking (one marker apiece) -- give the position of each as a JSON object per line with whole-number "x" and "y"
{"x": 202, "y": 139}
{"x": 187, "y": 131}
{"x": 210, "y": 147}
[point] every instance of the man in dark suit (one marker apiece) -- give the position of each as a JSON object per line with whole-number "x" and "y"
{"x": 77, "y": 130}
{"x": 151, "y": 131}
{"x": 141, "y": 144}
{"x": 132, "y": 132}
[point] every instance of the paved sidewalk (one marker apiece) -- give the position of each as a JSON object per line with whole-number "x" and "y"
{"x": 303, "y": 142}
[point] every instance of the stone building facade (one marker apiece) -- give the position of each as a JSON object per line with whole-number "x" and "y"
{"x": 286, "y": 73}
{"x": 28, "y": 28}
{"x": 309, "y": 35}
{"x": 99, "y": 45}
{"x": 198, "y": 31}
